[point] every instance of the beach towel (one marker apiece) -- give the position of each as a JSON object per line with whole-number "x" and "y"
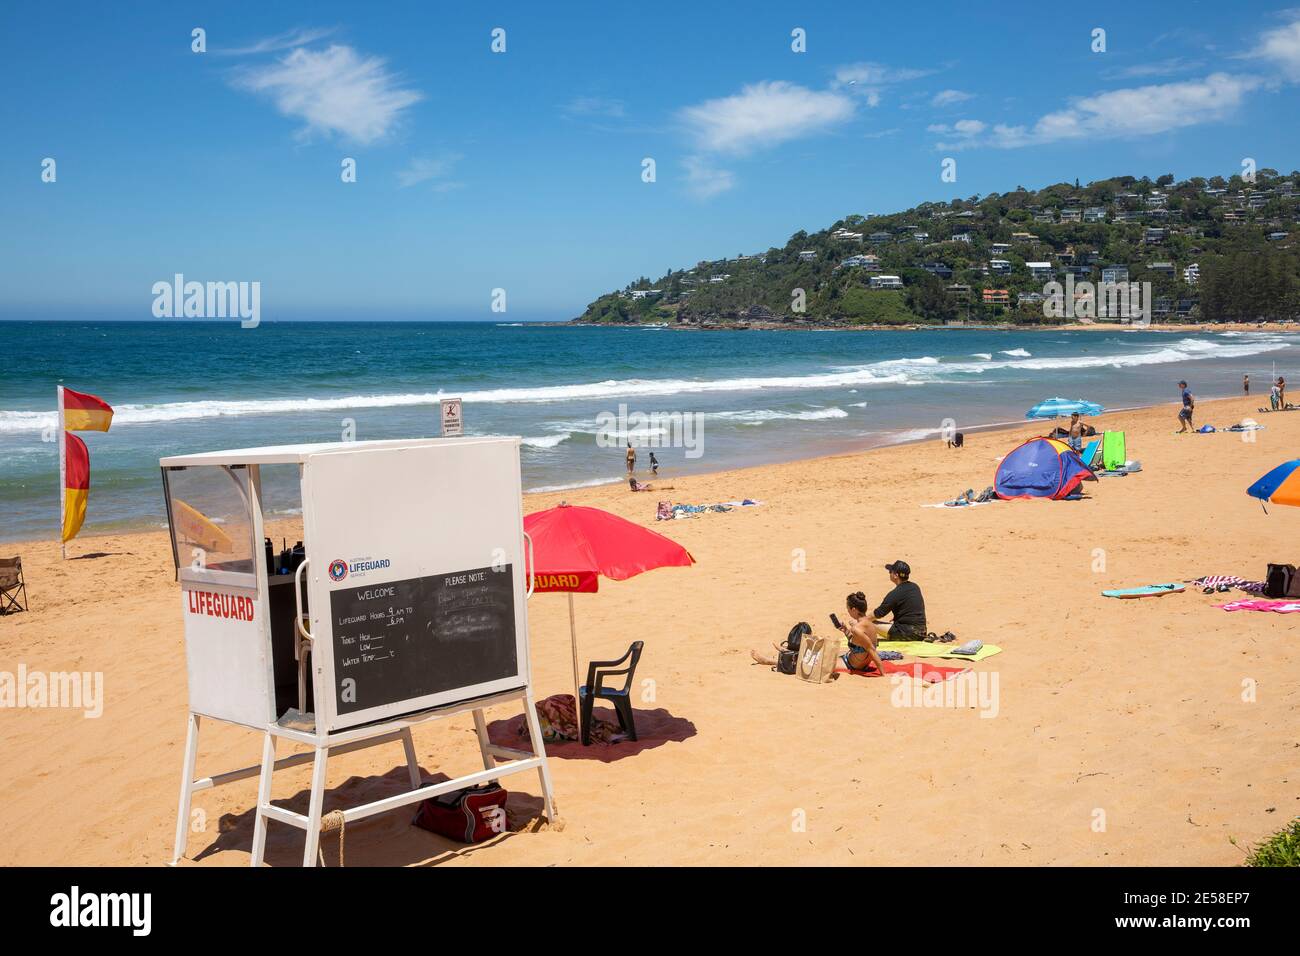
{"x": 1113, "y": 453}
{"x": 924, "y": 649}
{"x": 1150, "y": 590}
{"x": 1281, "y": 607}
{"x": 1231, "y": 580}
{"x": 930, "y": 673}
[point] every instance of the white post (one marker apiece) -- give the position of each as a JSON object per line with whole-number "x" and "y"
{"x": 573, "y": 646}
{"x": 61, "y": 438}
{"x": 263, "y": 800}
{"x": 187, "y": 789}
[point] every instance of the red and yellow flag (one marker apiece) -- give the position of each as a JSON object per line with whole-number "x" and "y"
{"x": 85, "y": 413}
{"x": 76, "y": 484}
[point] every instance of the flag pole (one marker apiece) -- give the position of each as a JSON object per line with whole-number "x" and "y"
{"x": 63, "y": 478}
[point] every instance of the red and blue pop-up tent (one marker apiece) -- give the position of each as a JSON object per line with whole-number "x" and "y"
{"x": 1041, "y": 468}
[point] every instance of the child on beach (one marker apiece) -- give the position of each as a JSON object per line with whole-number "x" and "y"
{"x": 1185, "y": 413}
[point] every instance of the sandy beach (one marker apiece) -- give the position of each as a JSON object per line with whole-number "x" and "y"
{"x": 1121, "y": 733}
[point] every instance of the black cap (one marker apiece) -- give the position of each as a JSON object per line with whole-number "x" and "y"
{"x": 899, "y": 567}
{"x": 1182, "y": 383}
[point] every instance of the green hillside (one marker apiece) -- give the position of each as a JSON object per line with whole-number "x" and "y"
{"x": 1239, "y": 238}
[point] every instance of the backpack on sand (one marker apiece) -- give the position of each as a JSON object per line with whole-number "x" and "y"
{"x": 1282, "y": 581}
{"x": 788, "y": 653}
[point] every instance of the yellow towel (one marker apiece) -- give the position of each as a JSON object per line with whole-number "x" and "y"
{"x": 924, "y": 649}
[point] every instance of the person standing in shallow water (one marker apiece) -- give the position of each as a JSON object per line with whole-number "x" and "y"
{"x": 1245, "y": 384}
{"x": 631, "y": 458}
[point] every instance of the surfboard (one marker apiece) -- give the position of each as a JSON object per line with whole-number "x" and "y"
{"x": 1151, "y": 590}
{"x": 197, "y": 528}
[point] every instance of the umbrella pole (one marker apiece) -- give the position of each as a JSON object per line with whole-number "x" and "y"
{"x": 573, "y": 646}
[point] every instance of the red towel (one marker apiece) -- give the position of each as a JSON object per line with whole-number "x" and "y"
{"x": 931, "y": 673}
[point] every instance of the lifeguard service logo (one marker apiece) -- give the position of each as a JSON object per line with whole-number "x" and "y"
{"x": 357, "y": 567}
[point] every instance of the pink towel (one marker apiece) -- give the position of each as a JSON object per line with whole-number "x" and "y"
{"x": 1281, "y": 607}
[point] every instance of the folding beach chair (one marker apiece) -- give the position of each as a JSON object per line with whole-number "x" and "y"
{"x": 1089, "y": 453}
{"x": 13, "y": 589}
{"x": 621, "y": 698}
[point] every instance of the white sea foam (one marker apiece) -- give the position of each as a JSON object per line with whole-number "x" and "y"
{"x": 914, "y": 371}
{"x": 545, "y": 441}
{"x": 568, "y": 486}
{"x": 758, "y": 416}
{"x": 986, "y": 356}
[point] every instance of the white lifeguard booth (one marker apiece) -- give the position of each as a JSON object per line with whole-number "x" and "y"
{"x": 406, "y": 603}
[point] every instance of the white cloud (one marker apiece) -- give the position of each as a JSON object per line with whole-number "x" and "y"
{"x": 594, "y": 106}
{"x": 1166, "y": 67}
{"x": 949, "y": 97}
{"x": 1138, "y": 111}
{"x": 423, "y": 169}
{"x": 283, "y": 41}
{"x": 1281, "y": 47}
{"x": 763, "y": 114}
{"x": 704, "y": 180}
{"x": 868, "y": 80}
{"x": 335, "y": 90}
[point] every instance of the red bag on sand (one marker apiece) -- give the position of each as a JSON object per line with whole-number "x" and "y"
{"x": 469, "y": 816}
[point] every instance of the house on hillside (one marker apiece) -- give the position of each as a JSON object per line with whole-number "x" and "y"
{"x": 996, "y": 297}
{"x": 1114, "y": 274}
{"x": 1040, "y": 270}
{"x": 807, "y": 255}
{"x": 1071, "y": 215}
{"x": 1161, "y": 268}
{"x": 886, "y": 282}
{"x": 1094, "y": 214}
{"x": 1192, "y": 274}
{"x": 999, "y": 266}
{"x": 940, "y": 269}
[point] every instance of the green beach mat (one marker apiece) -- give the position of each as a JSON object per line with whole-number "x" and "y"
{"x": 1113, "y": 453}
{"x": 924, "y": 649}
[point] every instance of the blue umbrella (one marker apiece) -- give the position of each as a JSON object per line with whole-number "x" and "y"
{"x": 1055, "y": 407}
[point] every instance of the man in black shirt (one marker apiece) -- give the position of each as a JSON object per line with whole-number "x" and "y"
{"x": 905, "y": 603}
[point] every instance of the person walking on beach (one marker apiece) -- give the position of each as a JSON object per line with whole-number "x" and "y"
{"x": 1281, "y": 392}
{"x": 1185, "y": 413}
{"x": 1245, "y": 384}
{"x": 631, "y": 459}
{"x": 654, "y": 464}
{"x": 1274, "y": 397}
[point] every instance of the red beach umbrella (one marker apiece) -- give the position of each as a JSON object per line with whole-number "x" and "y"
{"x": 574, "y": 546}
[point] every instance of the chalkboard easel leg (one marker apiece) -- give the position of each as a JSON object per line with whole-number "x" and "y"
{"x": 315, "y": 806}
{"x": 412, "y": 762}
{"x": 480, "y": 729}
{"x": 539, "y": 749}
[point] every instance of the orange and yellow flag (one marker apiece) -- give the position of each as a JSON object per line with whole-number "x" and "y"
{"x": 85, "y": 413}
{"x": 76, "y": 484}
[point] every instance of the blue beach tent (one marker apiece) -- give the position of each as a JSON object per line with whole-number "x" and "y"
{"x": 1041, "y": 468}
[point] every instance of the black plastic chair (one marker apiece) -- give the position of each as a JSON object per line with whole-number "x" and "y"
{"x": 621, "y": 698}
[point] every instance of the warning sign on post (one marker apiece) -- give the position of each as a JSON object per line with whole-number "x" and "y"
{"x": 451, "y": 421}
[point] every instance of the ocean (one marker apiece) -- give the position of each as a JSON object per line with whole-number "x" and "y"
{"x": 702, "y": 401}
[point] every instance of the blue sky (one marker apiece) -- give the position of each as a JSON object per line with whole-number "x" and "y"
{"x": 522, "y": 170}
